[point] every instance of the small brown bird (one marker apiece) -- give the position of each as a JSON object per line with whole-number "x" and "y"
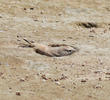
{"x": 53, "y": 50}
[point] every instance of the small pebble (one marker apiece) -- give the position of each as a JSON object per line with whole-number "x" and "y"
{"x": 56, "y": 80}
{"x": 59, "y": 14}
{"x": 24, "y": 8}
{"x": 22, "y": 79}
{"x": 57, "y": 83}
{"x": 41, "y": 12}
{"x": 31, "y": 8}
{"x": 44, "y": 77}
{"x": 83, "y": 65}
{"x": 83, "y": 80}
{"x": 1, "y": 73}
{"x": 18, "y": 93}
{"x": 108, "y": 73}
{"x": 100, "y": 79}
{"x": 10, "y": 88}
{"x": 63, "y": 77}
{"x": 91, "y": 36}
{"x": 98, "y": 86}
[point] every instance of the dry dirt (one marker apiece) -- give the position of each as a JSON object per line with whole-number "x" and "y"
{"x": 26, "y": 75}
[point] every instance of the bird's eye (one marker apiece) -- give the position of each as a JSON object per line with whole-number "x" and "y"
{"x": 69, "y": 50}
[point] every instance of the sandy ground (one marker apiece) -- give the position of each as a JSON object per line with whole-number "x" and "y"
{"x": 26, "y": 75}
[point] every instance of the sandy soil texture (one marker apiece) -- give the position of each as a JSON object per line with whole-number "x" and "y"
{"x": 26, "y": 75}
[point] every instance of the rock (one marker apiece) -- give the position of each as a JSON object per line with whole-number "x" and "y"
{"x": 84, "y": 80}
{"x": 31, "y": 8}
{"x": 22, "y": 79}
{"x": 41, "y": 12}
{"x": 98, "y": 86}
{"x": 63, "y": 77}
{"x": 44, "y": 77}
{"x": 100, "y": 79}
{"x": 18, "y": 93}
{"x": 107, "y": 73}
{"x": 24, "y": 8}
{"x": 10, "y": 88}
{"x": 1, "y": 73}
{"x": 56, "y": 80}
{"x": 57, "y": 83}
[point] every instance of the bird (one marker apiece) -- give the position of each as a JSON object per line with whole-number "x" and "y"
{"x": 52, "y": 50}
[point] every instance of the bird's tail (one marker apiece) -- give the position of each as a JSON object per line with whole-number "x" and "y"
{"x": 29, "y": 43}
